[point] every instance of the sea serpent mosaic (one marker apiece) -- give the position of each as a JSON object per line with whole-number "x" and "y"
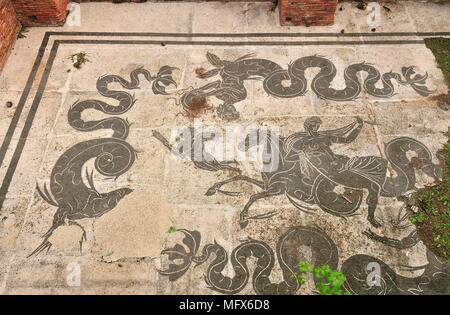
{"x": 113, "y": 156}
{"x": 230, "y": 87}
{"x": 433, "y": 280}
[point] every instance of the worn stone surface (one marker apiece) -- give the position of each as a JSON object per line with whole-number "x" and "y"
{"x": 73, "y": 164}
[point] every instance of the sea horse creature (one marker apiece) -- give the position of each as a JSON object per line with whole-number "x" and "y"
{"x": 323, "y": 249}
{"x": 113, "y": 156}
{"x": 230, "y": 88}
{"x": 308, "y": 171}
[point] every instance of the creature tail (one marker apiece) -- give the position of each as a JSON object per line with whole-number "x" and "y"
{"x": 163, "y": 79}
{"x": 178, "y": 253}
{"x": 45, "y": 245}
{"x": 417, "y": 81}
{"x": 405, "y": 168}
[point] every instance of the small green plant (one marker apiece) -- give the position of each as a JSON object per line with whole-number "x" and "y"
{"x": 110, "y": 253}
{"x": 79, "y": 59}
{"x": 329, "y": 280}
{"x": 22, "y": 32}
{"x": 432, "y": 209}
{"x": 442, "y": 240}
{"x": 417, "y": 218}
{"x": 172, "y": 229}
{"x": 441, "y": 49}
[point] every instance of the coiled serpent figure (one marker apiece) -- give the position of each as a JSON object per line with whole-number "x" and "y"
{"x": 113, "y": 156}
{"x": 230, "y": 88}
{"x": 433, "y": 280}
{"x": 322, "y": 247}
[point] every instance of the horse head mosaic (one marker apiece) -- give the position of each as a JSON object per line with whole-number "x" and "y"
{"x": 307, "y": 174}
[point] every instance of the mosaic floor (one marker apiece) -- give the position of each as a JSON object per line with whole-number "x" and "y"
{"x": 239, "y": 150}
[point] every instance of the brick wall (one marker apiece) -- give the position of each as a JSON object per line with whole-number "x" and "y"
{"x": 41, "y": 12}
{"x": 307, "y": 12}
{"x": 141, "y": 1}
{"x": 9, "y": 28}
{"x": 115, "y": 1}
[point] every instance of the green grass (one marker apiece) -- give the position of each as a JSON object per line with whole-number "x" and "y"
{"x": 22, "y": 32}
{"x": 172, "y": 229}
{"x": 441, "y": 50}
{"x": 432, "y": 218}
{"x": 433, "y": 203}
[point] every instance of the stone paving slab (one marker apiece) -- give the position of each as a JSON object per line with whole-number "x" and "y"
{"x": 86, "y": 150}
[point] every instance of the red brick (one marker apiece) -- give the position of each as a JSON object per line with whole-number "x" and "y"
{"x": 9, "y": 28}
{"x": 41, "y": 12}
{"x": 303, "y": 12}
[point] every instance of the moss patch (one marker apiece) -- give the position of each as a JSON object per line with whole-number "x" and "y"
{"x": 79, "y": 59}
{"x": 432, "y": 204}
{"x": 433, "y": 209}
{"x": 441, "y": 50}
{"x": 22, "y": 32}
